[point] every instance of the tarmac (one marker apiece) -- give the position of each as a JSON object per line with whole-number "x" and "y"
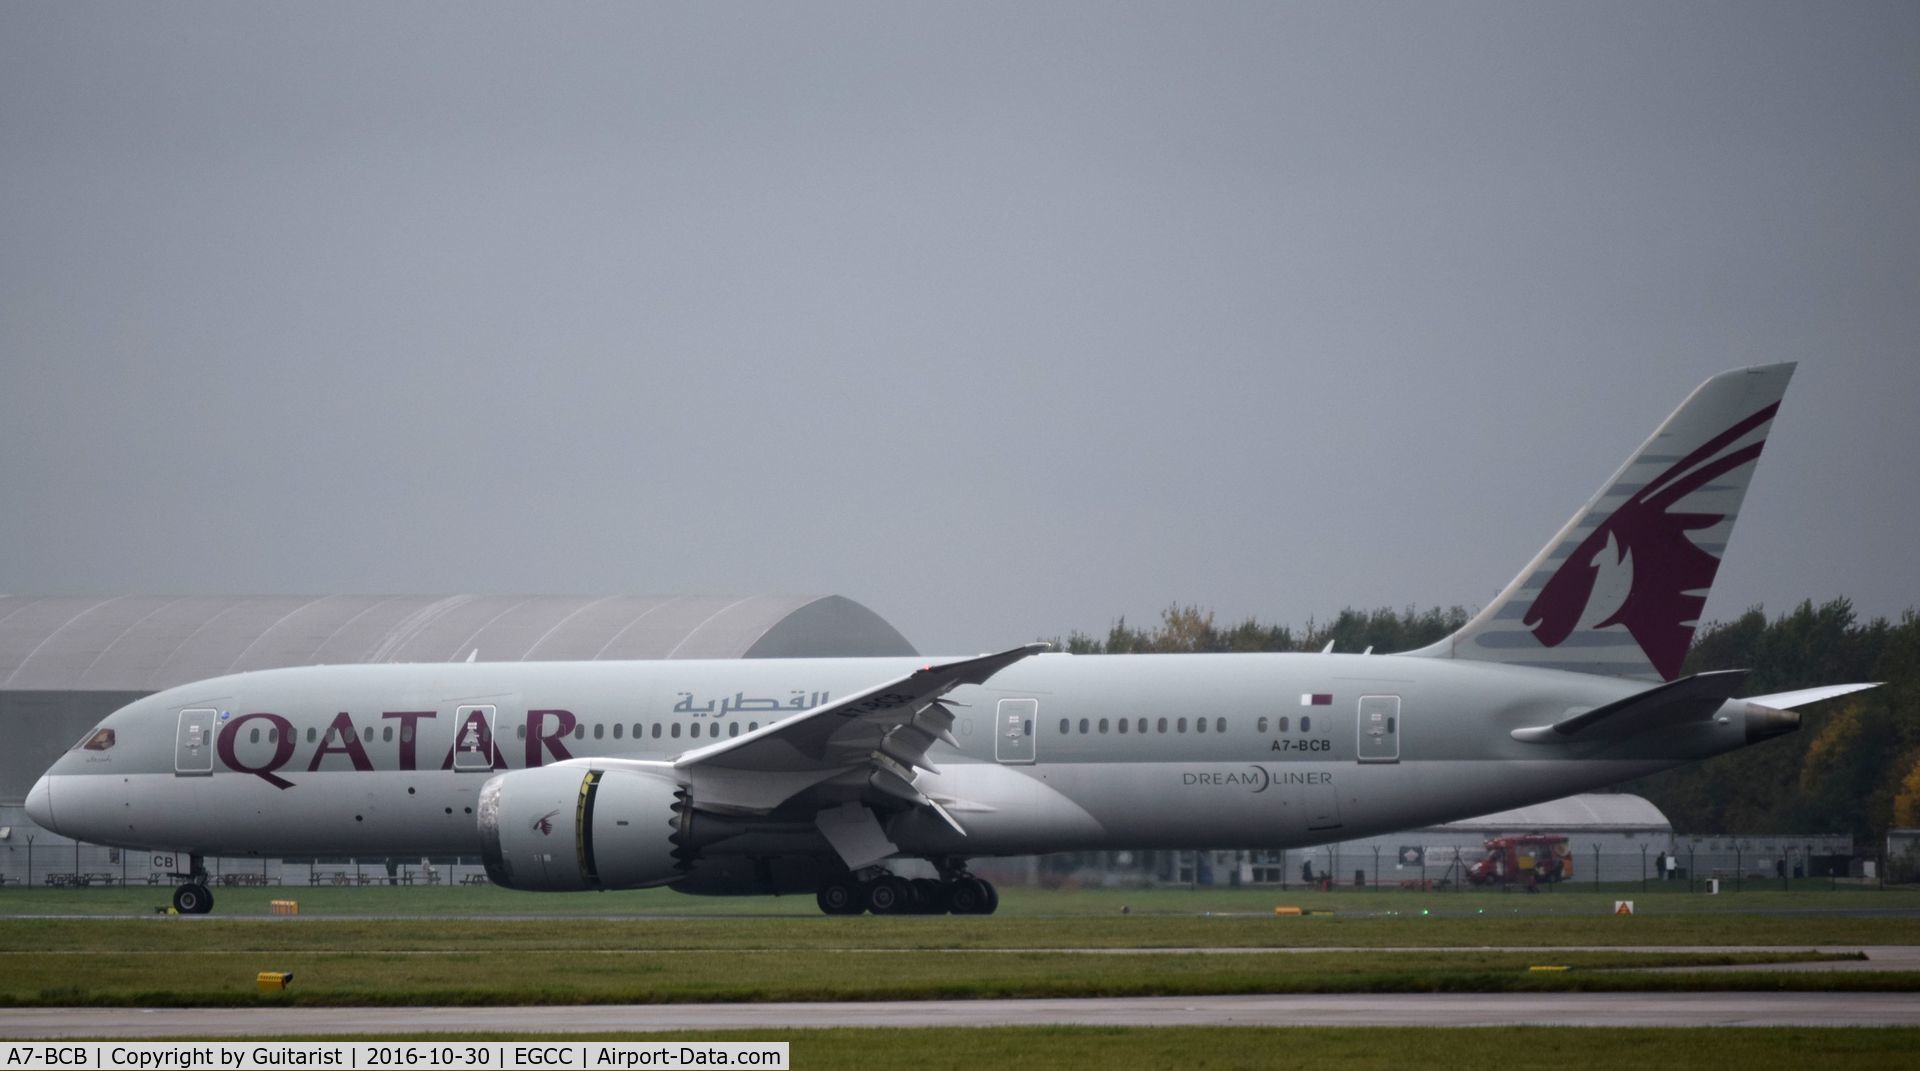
{"x": 1367, "y": 1010}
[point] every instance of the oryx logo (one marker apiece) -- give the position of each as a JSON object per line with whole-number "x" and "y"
{"x": 544, "y": 823}
{"x": 1670, "y": 575}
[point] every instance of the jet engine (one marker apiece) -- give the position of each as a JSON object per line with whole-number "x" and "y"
{"x": 558, "y": 828}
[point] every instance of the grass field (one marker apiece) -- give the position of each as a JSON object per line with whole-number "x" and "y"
{"x": 202, "y": 961}
{"x": 466, "y": 946}
{"x": 202, "y": 979}
{"x": 441, "y": 901}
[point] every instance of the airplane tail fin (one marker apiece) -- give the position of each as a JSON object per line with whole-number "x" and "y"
{"x": 1620, "y": 589}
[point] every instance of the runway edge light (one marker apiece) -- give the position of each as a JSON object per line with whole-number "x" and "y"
{"x": 268, "y": 981}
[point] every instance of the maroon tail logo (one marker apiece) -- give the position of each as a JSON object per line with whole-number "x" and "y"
{"x": 1670, "y": 574}
{"x": 544, "y": 823}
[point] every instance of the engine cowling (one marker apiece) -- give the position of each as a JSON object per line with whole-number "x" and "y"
{"x": 561, "y": 828}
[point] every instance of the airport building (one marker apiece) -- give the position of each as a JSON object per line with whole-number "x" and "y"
{"x": 1610, "y": 837}
{"x": 66, "y": 662}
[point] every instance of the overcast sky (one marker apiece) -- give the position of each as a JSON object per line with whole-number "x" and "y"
{"x": 1003, "y": 320}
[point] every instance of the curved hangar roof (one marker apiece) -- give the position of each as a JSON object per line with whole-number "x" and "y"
{"x": 145, "y": 642}
{"x": 1589, "y": 811}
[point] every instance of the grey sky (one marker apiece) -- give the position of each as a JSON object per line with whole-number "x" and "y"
{"x": 1003, "y": 320}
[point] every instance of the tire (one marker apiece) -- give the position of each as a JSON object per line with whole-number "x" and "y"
{"x": 888, "y": 896}
{"x": 966, "y": 897}
{"x": 192, "y": 899}
{"x": 840, "y": 898}
{"x": 993, "y": 897}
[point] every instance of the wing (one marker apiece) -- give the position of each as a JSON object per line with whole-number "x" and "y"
{"x": 874, "y": 738}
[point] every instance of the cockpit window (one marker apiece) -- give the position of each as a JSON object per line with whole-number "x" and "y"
{"x": 98, "y": 740}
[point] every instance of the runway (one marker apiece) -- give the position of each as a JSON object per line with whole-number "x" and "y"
{"x": 1415, "y": 1009}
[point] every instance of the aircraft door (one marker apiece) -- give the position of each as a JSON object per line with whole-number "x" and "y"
{"x": 473, "y": 743}
{"x": 1013, "y": 724}
{"x": 193, "y": 743}
{"x": 1379, "y": 729}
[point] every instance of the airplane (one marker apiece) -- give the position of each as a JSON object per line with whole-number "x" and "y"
{"x": 742, "y": 777}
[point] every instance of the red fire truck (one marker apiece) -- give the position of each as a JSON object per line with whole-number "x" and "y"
{"x": 1533, "y": 860}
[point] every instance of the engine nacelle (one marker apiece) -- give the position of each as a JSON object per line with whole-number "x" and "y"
{"x": 562, "y": 828}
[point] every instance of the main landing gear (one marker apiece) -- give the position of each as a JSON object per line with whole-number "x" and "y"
{"x": 193, "y": 898}
{"x": 956, "y": 892}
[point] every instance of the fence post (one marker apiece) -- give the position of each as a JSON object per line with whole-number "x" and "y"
{"x": 1691, "y": 867}
{"x": 1739, "y": 866}
{"x": 29, "y": 860}
{"x": 1643, "y": 869}
{"x": 1376, "y": 866}
{"x": 1596, "y": 864}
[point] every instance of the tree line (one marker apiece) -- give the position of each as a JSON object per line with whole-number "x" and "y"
{"x": 1854, "y": 766}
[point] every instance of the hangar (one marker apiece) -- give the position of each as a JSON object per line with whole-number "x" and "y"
{"x": 68, "y": 661}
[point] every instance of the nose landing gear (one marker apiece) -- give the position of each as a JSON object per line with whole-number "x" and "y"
{"x": 193, "y": 898}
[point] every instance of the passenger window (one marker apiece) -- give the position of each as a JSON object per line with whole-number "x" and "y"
{"x": 1123, "y": 726}
{"x": 1261, "y": 725}
{"x": 386, "y": 735}
{"x": 1065, "y": 726}
{"x": 733, "y": 728}
{"x": 253, "y": 736}
{"x": 656, "y": 730}
{"x": 579, "y": 732}
{"x": 1283, "y": 724}
{"x": 1219, "y": 725}
{"x": 406, "y": 733}
{"x": 753, "y": 726}
{"x": 676, "y": 730}
{"x": 1306, "y": 723}
{"x": 636, "y": 730}
{"x": 521, "y": 732}
{"x": 310, "y": 734}
{"x": 1181, "y": 725}
{"x": 1163, "y": 725}
{"x": 367, "y": 734}
{"x": 1199, "y": 725}
{"x": 1083, "y": 726}
{"x": 618, "y": 729}
{"x": 1103, "y": 726}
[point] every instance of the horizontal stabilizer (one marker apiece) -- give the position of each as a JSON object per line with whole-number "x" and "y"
{"x": 1789, "y": 700}
{"x": 1687, "y": 699}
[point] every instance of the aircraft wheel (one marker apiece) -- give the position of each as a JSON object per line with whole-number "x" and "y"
{"x": 966, "y": 897}
{"x": 929, "y": 897}
{"x": 888, "y": 896}
{"x": 192, "y": 899}
{"x": 993, "y": 896}
{"x": 840, "y": 898}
